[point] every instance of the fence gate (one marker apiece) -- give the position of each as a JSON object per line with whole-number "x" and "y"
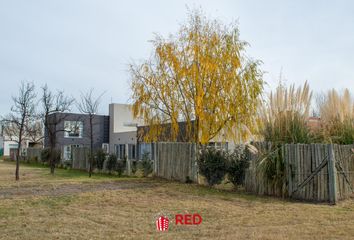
{"x": 344, "y": 159}
{"x": 319, "y": 172}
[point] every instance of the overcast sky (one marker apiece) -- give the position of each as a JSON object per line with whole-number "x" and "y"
{"x": 74, "y": 45}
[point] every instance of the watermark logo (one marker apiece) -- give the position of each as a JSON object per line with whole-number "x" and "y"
{"x": 162, "y": 223}
{"x": 188, "y": 219}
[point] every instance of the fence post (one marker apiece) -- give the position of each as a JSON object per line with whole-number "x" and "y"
{"x": 195, "y": 162}
{"x": 128, "y": 160}
{"x": 286, "y": 157}
{"x": 155, "y": 158}
{"x": 332, "y": 176}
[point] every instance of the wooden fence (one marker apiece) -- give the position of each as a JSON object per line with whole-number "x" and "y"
{"x": 176, "y": 161}
{"x": 313, "y": 172}
{"x": 80, "y": 159}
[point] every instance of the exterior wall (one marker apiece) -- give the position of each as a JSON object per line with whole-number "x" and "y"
{"x": 122, "y": 126}
{"x": 314, "y": 123}
{"x": 100, "y": 131}
{"x": 218, "y": 142}
{"x": 9, "y": 145}
{"x": 126, "y": 140}
{"x": 121, "y": 116}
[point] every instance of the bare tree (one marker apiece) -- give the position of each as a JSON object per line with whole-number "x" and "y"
{"x": 89, "y": 105}
{"x": 19, "y": 124}
{"x": 53, "y": 103}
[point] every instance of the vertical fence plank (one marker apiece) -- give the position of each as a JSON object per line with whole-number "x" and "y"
{"x": 314, "y": 165}
{"x": 332, "y": 176}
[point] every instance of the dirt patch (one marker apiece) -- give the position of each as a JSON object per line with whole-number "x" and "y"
{"x": 70, "y": 189}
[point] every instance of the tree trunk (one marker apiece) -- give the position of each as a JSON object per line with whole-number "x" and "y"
{"x": 51, "y": 151}
{"x": 91, "y": 147}
{"x": 17, "y": 172}
{"x": 197, "y": 155}
{"x": 51, "y": 160}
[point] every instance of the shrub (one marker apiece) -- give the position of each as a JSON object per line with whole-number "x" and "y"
{"x": 45, "y": 155}
{"x": 100, "y": 158}
{"x": 120, "y": 166}
{"x": 134, "y": 166}
{"x": 189, "y": 180}
{"x": 111, "y": 163}
{"x": 33, "y": 159}
{"x": 146, "y": 164}
{"x": 67, "y": 164}
{"x": 213, "y": 165}
{"x": 238, "y": 164}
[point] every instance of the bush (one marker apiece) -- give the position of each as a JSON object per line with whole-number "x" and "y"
{"x": 100, "y": 157}
{"x": 32, "y": 159}
{"x": 238, "y": 164}
{"x": 45, "y": 156}
{"x": 189, "y": 180}
{"x": 212, "y": 165}
{"x": 134, "y": 166}
{"x": 146, "y": 164}
{"x": 111, "y": 163}
{"x": 120, "y": 166}
{"x": 67, "y": 164}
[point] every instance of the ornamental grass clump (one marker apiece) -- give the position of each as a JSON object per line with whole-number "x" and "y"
{"x": 284, "y": 116}
{"x": 285, "y": 113}
{"x": 337, "y": 117}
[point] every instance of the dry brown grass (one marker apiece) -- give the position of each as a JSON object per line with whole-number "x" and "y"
{"x": 127, "y": 210}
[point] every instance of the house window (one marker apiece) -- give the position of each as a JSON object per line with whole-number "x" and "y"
{"x": 131, "y": 151}
{"x": 67, "y": 152}
{"x": 105, "y": 147}
{"x": 116, "y": 150}
{"x": 121, "y": 151}
{"x": 73, "y": 129}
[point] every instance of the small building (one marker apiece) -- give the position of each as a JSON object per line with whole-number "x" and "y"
{"x": 122, "y": 131}
{"x": 9, "y": 143}
{"x": 182, "y": 136}
{"x": 73, "y": 130}
{"x": 314, "y": 123}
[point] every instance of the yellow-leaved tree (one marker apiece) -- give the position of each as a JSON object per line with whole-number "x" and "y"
{"x": 200, "y": 76}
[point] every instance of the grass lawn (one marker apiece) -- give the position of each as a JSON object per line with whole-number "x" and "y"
{"x": 69, "y": 205}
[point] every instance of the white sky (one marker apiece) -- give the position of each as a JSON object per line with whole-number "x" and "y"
{"x": 74, "y": 45}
